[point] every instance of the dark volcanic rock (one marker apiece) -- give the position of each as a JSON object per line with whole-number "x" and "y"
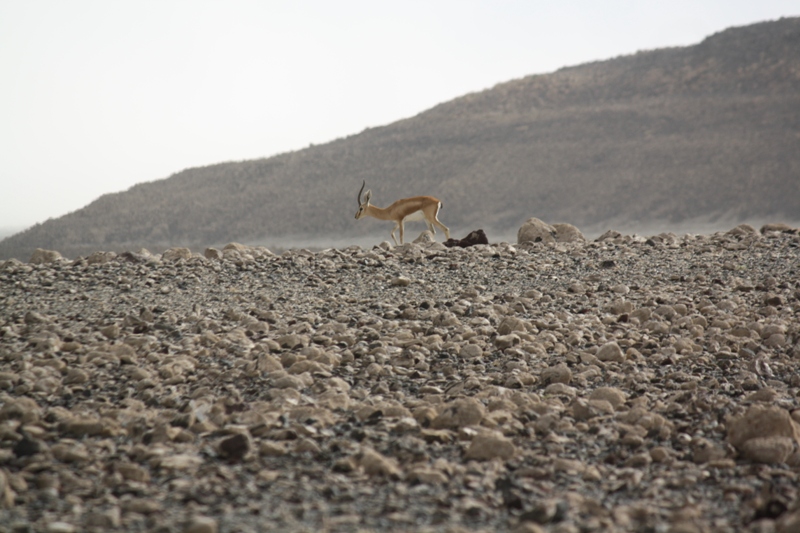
{"x": 474, "y": 237}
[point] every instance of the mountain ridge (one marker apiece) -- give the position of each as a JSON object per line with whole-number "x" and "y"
{"x": 703, "y": 132}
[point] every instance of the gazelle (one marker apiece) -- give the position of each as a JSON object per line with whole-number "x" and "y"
{"x": 406, "y": 209}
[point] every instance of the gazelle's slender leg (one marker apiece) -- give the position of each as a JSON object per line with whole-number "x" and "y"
{"x": 444, "y": 228}
{"x": 402, "y": 230}
{"x": 438, "y": 223}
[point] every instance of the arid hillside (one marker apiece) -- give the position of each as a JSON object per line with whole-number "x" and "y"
{"x": 699, "y": 133}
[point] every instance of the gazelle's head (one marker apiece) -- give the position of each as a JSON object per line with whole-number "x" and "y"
{"x": 363, "y": 203}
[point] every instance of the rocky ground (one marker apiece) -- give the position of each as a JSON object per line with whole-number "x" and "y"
{"x": 625, "y": 384}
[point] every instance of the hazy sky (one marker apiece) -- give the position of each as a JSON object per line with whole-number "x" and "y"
{"x": 97, "y": 96}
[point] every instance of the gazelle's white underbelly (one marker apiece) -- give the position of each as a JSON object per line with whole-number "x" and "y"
{"x": 415, "y": 216}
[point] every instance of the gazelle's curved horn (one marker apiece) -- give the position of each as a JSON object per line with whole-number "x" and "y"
{"x": 362, "y": 190}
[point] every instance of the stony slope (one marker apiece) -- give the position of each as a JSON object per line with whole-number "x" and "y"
{"x": 702, "y": 133}
{"x": 627, "y": 384}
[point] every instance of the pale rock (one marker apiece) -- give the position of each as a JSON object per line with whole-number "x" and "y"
{"x": 33, "y": 317}
{"x": 560, "y": 389}
{"x": 40, "y": 257}
{"x": 7, "y": 493}
{"x": 767, "y": 395}
{"x": 765, "y": 434}
{"x": 567, "y": 233}
{"x": 534, "y": 230}
{"x": 81, "y": 426}
{"x": 510, "y": 325}
{"x": 301, "y": 367}
{"x": 776, "y": 227}
{"x": 101, "y": 258}
{"x": 459, "y": 413}
{"x": 47, "y": 385}
{"x": 236, "y": 247}
{"x": 557, "y": 374}
{"x": 788, "y": 522}
{"x": 776, "y": 340}
{"x": 307, "y": 445}
{"x": 427, "y": 475}
{"x": 213, "y": 253}
{"x": 612, "y": 395}
{"x": 111, "y": 331}
{"x": 400, "y": 281}
{"x": 201, "y": 524}
{"x": 75, "y": 376}
{"x": 470, "y": 351}
{"x": 665, "y": 311}
{"x": 60, "y": 527}
{"x": 488, "y": 445}
{"x": 24, "y": 409}
{"x": 743, "y": 229}
{"x": 145, "y": 506}
{"x": 104, "y": 520}
{"x": 180, "y": 462}
{"x": 705, "y": 450}
{"x": 70, "y": 452}
{"x": 610, "y": 352}
{"x": 570, "y": 466}
{"x": 176, "y": 254}
{"x": 639, "y": 460}
{"x": 332, "y": 399}
{"x": 425, "y": 237}
{"x": 621, "y": 288}
{"x": 270, "y": 448}
{"x": 652, "y": 422}
{"x": 577, "y": 288}
{"x": 660, "y": 454}
{"x": 502, "y": 342}
{"x": 376, "y": 464}
{"x": 586, "y": 409}
{"x": 528, "y": 527}
{"x": 288, "y": 382}
{"x": 769, "y": 450}
{"x": 267, "y": 363}
{"x": 293, "y": 341}
{"x": 609, "y": 235}
{"x": 133, "y": 472}
{"x": 762, "y": 421}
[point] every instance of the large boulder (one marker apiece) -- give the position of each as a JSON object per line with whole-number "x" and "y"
{"x": 743, "y": 229}
{"x": 766, "y": 434}
{"x": 609, "y": 235}
{"x": 41, "y": 256}
{"x": 176, "y": 254}
{"x": 776, "y": 227}
{"x": 534, "y": 230}
{"x": 568, "y": 233}
{"x": 425, "y": 236}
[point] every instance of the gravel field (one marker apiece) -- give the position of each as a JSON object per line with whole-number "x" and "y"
{"x": 624, "y": 384}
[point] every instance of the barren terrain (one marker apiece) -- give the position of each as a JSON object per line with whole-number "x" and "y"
{"x": 623, "y": 384}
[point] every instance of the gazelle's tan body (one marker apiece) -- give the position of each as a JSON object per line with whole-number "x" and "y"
{"x": 407, "y": 209}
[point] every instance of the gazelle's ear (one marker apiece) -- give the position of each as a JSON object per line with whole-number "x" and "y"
{"x": 367, "y": 196}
